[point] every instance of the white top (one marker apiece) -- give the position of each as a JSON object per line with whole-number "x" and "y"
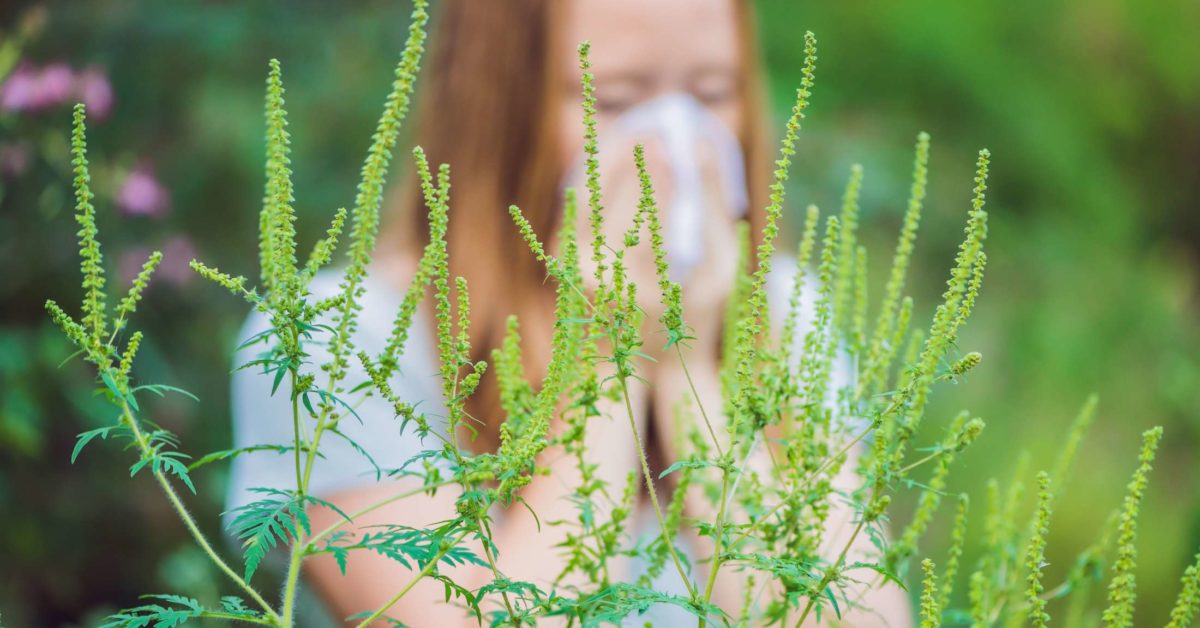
{"x": 260, "y": 418}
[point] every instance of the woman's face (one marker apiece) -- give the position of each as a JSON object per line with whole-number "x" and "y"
{"x": 641, "y": 50}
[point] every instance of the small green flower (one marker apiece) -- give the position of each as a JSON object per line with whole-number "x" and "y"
{"x": 94, "y": 300}
{"x": 1035, "y": 554}
{"x": 931, "y": 615}
{"x": 966, "y": 363}
{"x": 128, "y": 305}
{"x": 958, "y": 539}
{"x": 1188, "y": 602}
{"x": 847, "y": 247}
{"x": 1122, "y": 589}
{"x": 878, "y": 356}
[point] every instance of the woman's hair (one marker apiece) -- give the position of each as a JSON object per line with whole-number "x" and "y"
{"x": 490, "y": 110}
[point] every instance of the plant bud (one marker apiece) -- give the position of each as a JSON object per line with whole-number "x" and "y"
{"x": 968, "y": 362}
{"x": 969, "y": 433}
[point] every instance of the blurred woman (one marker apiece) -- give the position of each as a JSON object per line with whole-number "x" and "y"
{"x": 501, "y": 103}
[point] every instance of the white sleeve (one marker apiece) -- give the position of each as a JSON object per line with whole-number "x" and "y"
{"x": 263, "y": 418}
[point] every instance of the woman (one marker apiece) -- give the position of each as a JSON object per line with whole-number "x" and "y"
{"x": 501, "y": 104}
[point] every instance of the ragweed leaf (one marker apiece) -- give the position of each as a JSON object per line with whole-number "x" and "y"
{"x": 266, "y": 523}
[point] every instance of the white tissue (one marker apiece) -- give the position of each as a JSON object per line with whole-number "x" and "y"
{"x": 682, "y": 125}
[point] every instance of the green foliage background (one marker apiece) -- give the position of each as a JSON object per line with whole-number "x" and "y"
{"x": 1089, "y": 109}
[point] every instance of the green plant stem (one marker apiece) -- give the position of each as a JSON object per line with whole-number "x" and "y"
{"x": 487, "y": 552}
{"x": 231, "y": 617}
{"x": 718, "y": 532}
{"x": 373, "y": 507}
{"x": 190, "y": 522}
{"x": 700, "y": 404}
{"x": 300, "y": 485}
{"x": 290, "y": 582}
{"x": 922, "y": 461}
{"x": 297, "y": 548}
{"x": 831, "y": 573}
{"x": 824, "y": 465}
{"x": 719, "y": 527}
{"x": 425, "y": 571}
{"x": 662, "y": 522}
{"x": 316, "y": 441}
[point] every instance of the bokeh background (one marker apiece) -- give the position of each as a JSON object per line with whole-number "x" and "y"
{"x": 1091, "y": 109}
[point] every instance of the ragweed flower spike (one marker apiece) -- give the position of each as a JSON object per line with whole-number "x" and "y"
{"x": 966, "y": 363}
{"x": 1188, "y": 602}
{"x": 129, "y": 304}
{"x": 858, "y": 320}
{"x": 671, "y": 294}
{"x": 972, "y": 293}
{"x": 131, "y": 349}
{"x": 236, "y": 285}
{"x": 592, "y": 163}
{"x": 931, "y": 615}
{"x": 958, "y": 539}
{"x": 280, "y": 215}
{"x": 848, "y": 244}
{"x": 322, "y": 251}
{"x": 1122, "y": 589}
{"x": 365, "y": 214}
{"x": 787, "y": 338}
{"x": 527, "y": 234}
{"x": 961, "y": 433}
{"x": 951, "y": 312}
{"x": 821, "y": 343}
{"x": 1035, "y": 554}
{"x": 74, "y": 331}
{"x": 756, "y": 320}
{"x": 880, "y": 352}
{"x": 515, "y": 392}
{"x": 92, "y": 264}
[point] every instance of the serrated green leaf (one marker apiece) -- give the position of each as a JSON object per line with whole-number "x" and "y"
{"x": 84, "y": 438}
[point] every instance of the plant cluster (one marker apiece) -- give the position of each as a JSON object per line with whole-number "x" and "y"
{"x": 772, "y": 461}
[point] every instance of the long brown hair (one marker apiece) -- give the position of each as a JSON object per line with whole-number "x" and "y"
{"x": 488, "y": 105}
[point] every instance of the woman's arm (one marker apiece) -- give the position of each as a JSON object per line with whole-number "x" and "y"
{"x": 880, "y": 605}
{"x": 528, "y": 547}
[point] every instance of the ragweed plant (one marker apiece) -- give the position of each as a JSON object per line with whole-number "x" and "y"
{"x": 796, "y": 469}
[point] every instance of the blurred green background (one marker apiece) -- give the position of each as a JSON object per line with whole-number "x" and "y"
{"x": 1091, "y": 110}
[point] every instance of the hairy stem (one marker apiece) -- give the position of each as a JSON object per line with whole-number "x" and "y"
{"x": 190, "y": 522}
{"x": 668, "y": 539}
{"x": 487, "y": 552}
{"x": 699, "y": 404}
{"x": 290, "y": 582}
{"x": 718, "y": 532}
{"x": 297, "y": 549}
{"x": 831, "y": 573}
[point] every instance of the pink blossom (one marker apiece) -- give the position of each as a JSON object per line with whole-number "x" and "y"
{"x": 141, "y": 194}
{"x": 95, "y": 91}
{"x": 55, "y": 86}
{"x": 19, "y": 91}
{"x": 32, "y": 89}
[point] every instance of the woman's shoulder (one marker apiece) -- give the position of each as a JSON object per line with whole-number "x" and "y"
{"x": 378, "y": 301}
{"x": 372, "y": 438}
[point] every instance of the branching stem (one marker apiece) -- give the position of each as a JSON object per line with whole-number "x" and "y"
{"x": 188, "y": 521}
